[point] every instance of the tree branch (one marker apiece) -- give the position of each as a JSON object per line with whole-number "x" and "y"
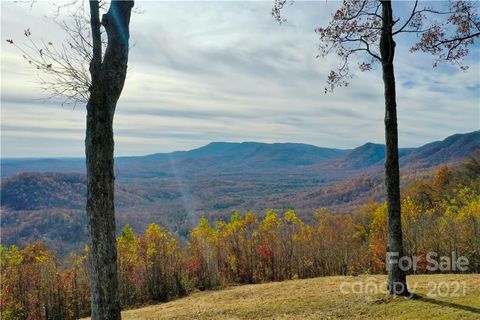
{"x": 96, "y": 62}
{"x": 409, "y": 19}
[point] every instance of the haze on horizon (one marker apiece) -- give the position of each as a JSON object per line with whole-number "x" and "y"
{"x": 225, "y": 71}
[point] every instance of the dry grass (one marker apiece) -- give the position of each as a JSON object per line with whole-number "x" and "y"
{"x": 321, "y": 298}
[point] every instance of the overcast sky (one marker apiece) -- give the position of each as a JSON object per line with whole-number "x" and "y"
{"x": 225, "y": 71}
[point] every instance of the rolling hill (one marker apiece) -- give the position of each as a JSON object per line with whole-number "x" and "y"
{"x": 41, "y": 196}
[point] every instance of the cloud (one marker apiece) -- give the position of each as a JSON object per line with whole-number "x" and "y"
{"x": 225, "y": 71}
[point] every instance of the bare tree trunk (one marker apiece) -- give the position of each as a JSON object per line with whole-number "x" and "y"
{"x": 396, "y": 277}
{"x": 108, "y": 77}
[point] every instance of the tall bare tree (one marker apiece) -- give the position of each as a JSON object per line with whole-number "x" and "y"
{"x": 108, "y": 77}
{"x": 370, "y": 27}
{"x": 91, "y": 67}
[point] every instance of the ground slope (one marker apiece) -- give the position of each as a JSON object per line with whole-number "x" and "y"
{"x": 321, "y": 298}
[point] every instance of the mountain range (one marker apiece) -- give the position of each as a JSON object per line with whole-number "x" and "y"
{"x": 44, "y": 199}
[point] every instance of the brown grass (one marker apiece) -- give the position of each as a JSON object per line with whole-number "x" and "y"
{"x": 320, "y": 298}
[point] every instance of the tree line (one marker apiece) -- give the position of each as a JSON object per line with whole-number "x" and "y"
{"x": 440, "y": 214}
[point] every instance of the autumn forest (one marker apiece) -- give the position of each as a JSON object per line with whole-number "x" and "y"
{"x": 441, "y": 215}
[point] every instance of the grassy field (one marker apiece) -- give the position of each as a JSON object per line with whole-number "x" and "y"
{"x": 451, "y": 297}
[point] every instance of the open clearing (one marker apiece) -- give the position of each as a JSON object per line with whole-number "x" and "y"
{"x": 451, "y": 297}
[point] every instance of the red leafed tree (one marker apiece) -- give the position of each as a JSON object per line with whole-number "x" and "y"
{"x": 370, "y": 27}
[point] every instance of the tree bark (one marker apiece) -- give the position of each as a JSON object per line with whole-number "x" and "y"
{"x": 396, "y": 277}
{"x": 108, "y": 78}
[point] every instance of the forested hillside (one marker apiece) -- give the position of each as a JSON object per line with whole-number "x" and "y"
{"x": 175, "y": 190}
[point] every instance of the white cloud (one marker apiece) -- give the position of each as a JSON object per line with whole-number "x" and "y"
{"x": 225, "y": 71}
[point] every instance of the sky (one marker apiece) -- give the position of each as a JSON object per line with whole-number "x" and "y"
{"x": 226, "y": 71}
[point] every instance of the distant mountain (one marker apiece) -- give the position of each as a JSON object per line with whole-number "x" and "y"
{"x": 41, "y": 196}
{"x": 453, "y": 149}
{"x": 223, "y": 157}
{"x": 216, "y": 157}
{"x": 366, "y": 156}
{"x": 261, "y": 155}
